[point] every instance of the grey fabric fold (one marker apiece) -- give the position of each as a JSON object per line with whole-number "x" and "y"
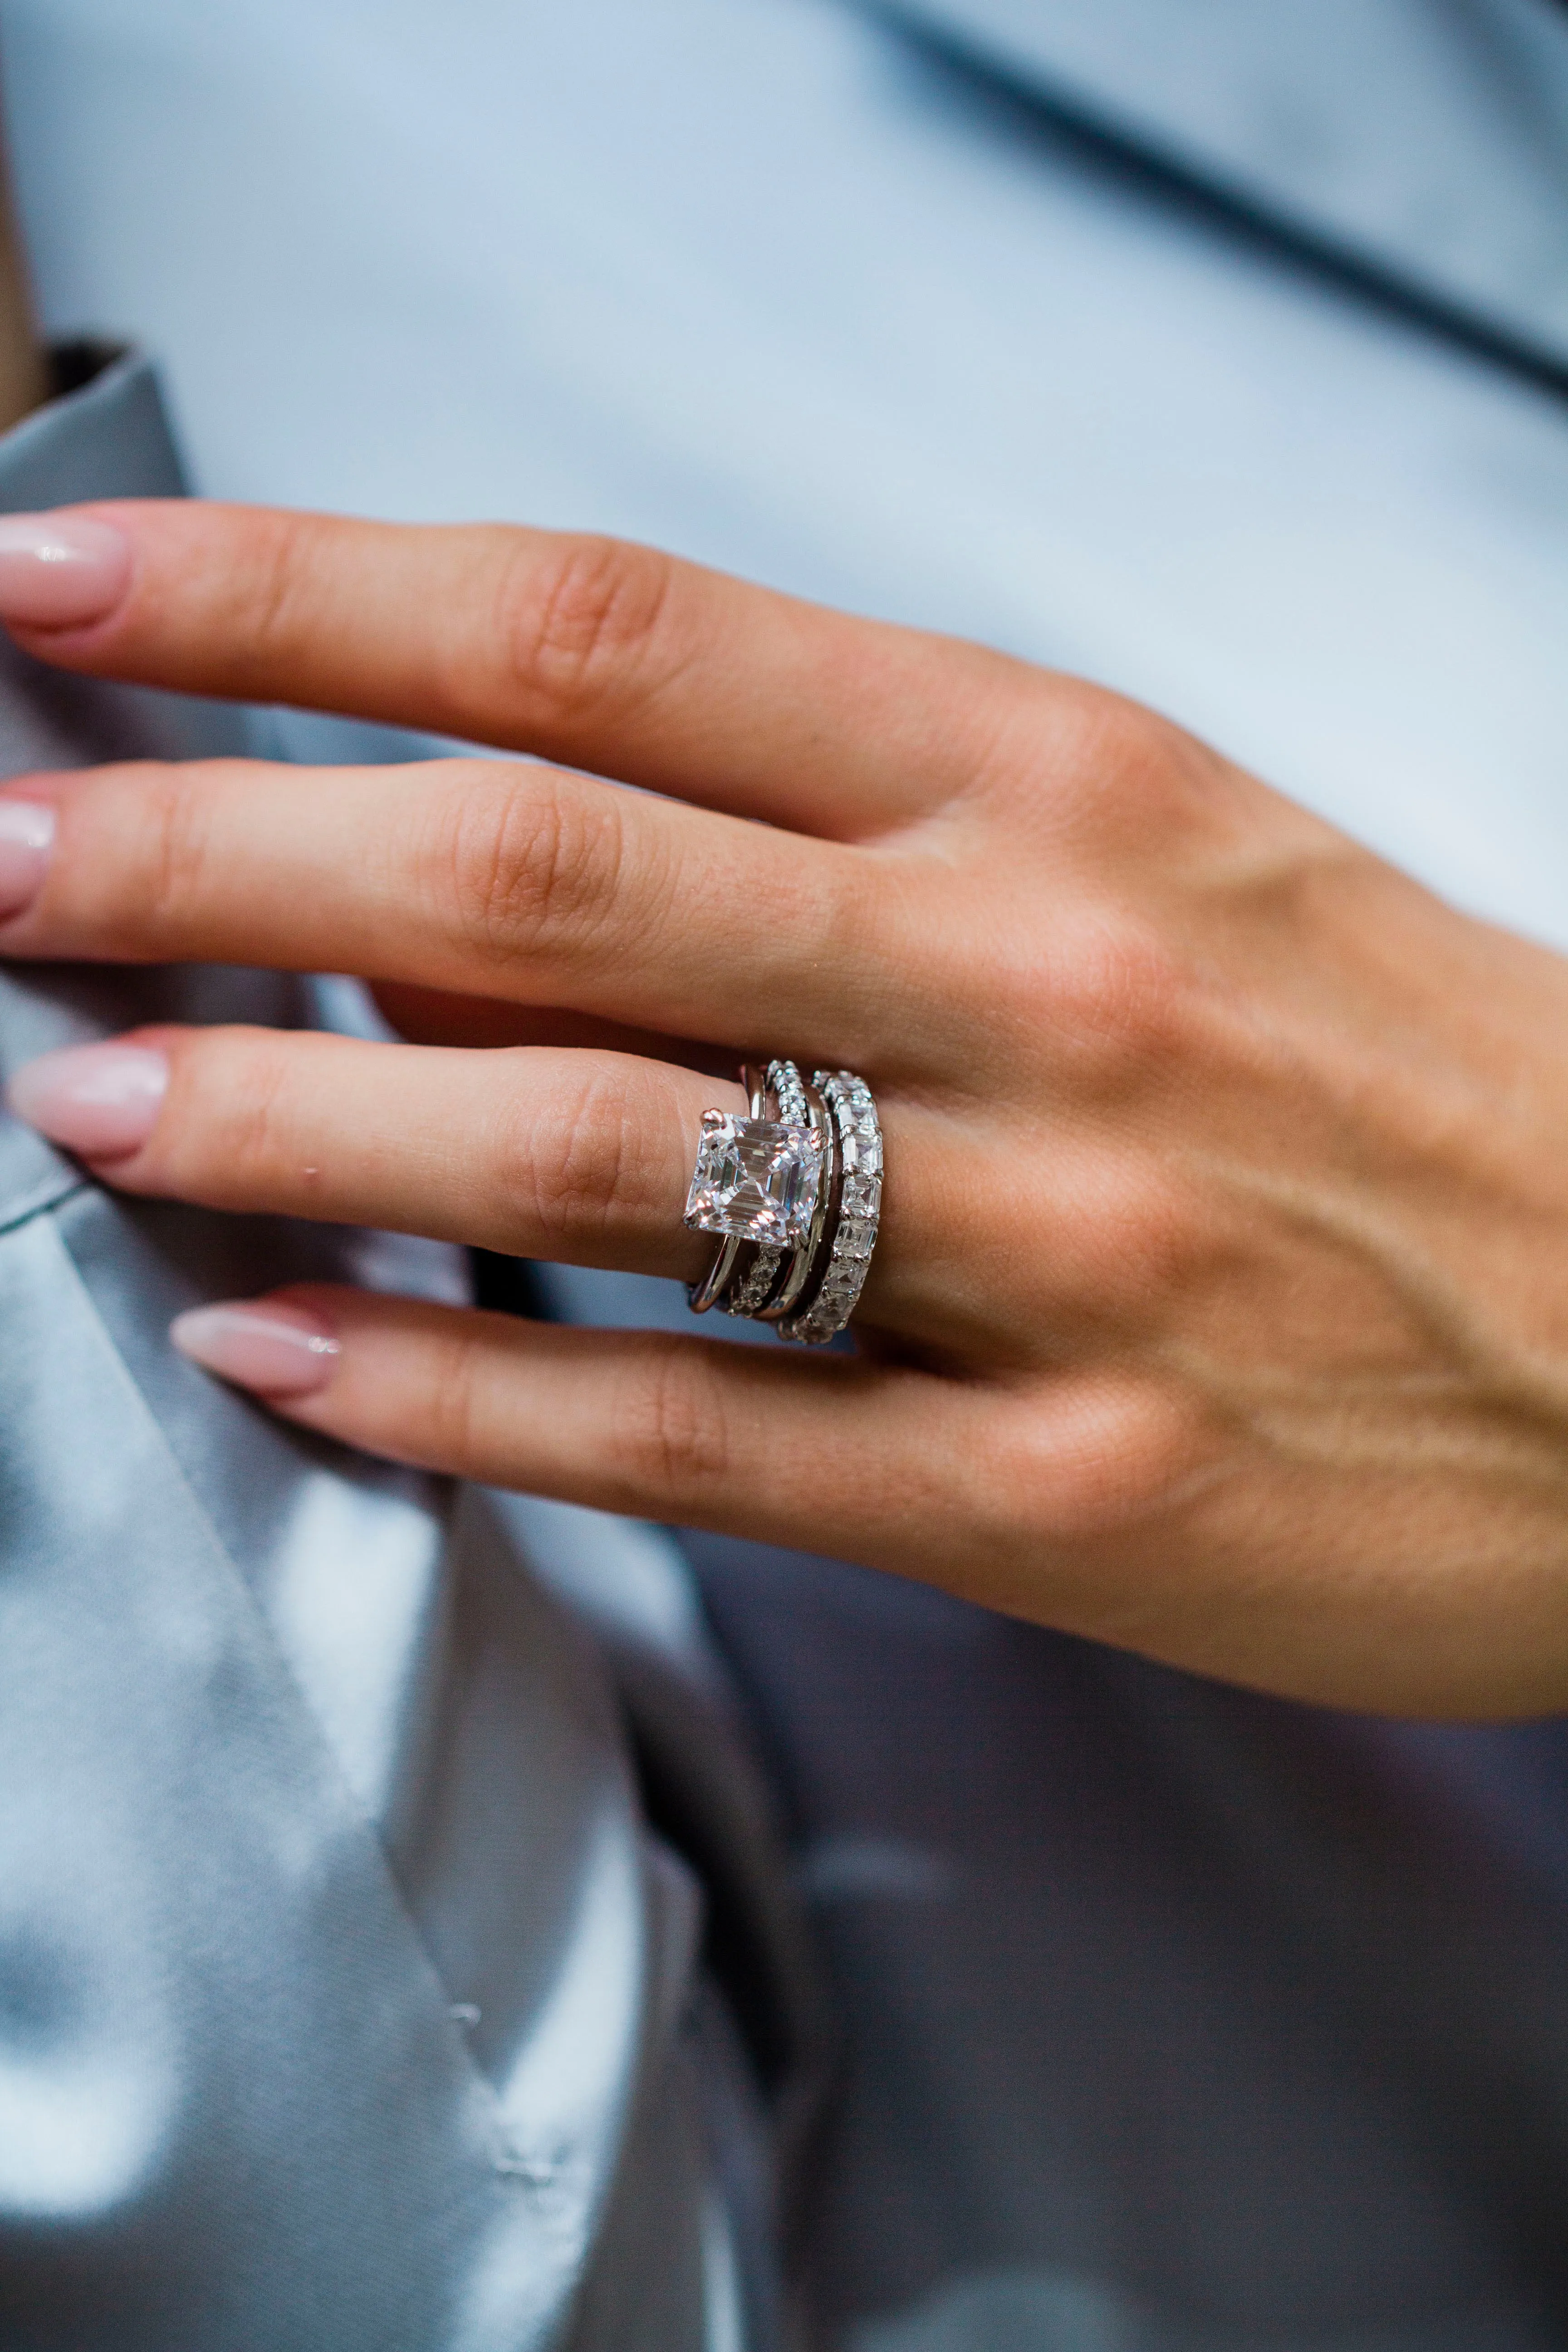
{"x": 346, "y": 1997}
{"x": 1426, "y": 143}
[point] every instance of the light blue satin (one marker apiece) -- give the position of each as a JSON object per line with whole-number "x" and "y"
{"x": 1427, "y": 142}
{"x": 345, "y": 1998}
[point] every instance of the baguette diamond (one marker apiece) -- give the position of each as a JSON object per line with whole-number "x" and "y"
{"x": 854, "y": 1114}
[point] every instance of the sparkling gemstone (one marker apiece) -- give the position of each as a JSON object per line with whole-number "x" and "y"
{"x": 756, "y": 1178}
{"x": 862, "y": 1195}
{"x": 854, "y": 1238}
{"x": 864, "y": 1152}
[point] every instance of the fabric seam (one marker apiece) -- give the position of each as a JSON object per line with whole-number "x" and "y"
{"x": 53, "y": 1194}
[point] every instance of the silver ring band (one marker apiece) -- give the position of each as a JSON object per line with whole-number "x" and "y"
{"x": 794, "y": 1192}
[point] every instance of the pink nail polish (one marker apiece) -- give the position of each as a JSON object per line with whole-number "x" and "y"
{"x": 26, "y": 837}
{"x": 60, "y": 571}
{"x": 277, "y": 1352}
{"x": 101, "y": 1101}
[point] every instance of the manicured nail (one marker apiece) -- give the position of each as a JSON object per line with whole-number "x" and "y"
{"x": 101, "y": 1101}
{"x": 26, "y": 837}
{"x": 60, "y": 572}
{"x": 277, "y": 1352}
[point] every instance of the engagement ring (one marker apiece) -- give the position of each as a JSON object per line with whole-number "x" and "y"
{"x": 794, "y": 1192}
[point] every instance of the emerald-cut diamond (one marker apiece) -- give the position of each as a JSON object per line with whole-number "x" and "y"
{"x": 862, "y": 1196}
{"x": 862, "y": 1146}
{"x": 856, "y": 1238}
{"x": 756, "y": 1178}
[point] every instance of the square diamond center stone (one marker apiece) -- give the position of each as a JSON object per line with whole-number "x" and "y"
{"x": 756, "y": 1178}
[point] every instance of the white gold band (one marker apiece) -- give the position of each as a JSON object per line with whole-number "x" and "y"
{"x": 795, "y": 1193}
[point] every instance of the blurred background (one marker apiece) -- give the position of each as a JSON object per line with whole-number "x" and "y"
{"x": 847, "y": 300}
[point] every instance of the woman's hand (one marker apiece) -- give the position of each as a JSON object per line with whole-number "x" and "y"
{"x": 1221, "y": 1303}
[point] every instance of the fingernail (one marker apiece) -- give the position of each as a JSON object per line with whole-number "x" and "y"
{"x": 26, "y": 837}
{"x": 60, "y": 572}
{"x": 101, "y": 1101}
{"x": 277, "y": 1352}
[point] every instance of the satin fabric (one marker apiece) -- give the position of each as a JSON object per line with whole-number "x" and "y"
{"x": 346, "y": 1999}
{"x": 1426, "y": 143}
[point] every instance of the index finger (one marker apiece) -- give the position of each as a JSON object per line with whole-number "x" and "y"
{"x": 590, "y": 651}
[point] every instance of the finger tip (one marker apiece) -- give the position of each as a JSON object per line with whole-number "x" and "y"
{"x": 61, "y": 570}
{"x": 99, "y": 1101}
{"x": 275, "y": 1350}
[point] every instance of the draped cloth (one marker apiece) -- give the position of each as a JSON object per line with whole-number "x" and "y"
{"x": 346, "y": 1997}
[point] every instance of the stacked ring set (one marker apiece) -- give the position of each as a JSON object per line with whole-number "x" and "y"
{"x": 794, "y": 1192}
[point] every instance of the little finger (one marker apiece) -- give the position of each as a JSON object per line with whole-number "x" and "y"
{"x": 740, "y": 1440}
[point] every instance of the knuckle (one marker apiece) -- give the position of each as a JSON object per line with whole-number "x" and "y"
{"x": 274, "y": 585}
{"x": 255, "y": 1094}
{"x": 1129, "y": 1238}
{"x": 1132, "y": 1235}
{"x": 1129, "y": 745}
{"x": 1099, "y": 1456}
{"x": 588, "y": 1172}
{"x": 454, "y": 1411}
{"x": 1111, "y": 775}
{"x": 1119, "y": 1002}
{"x": 225, "y": 1130}
{"x": 1156, "y": 1231}
{"x": 669, "y": 1423}
{"x": 586, "y": 629}
{"x": 535, "y": 866}
{"x": 174, "y": 818}
{"x": 1148, "y": 770}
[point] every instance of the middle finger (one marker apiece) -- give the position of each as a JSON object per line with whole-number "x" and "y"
{"x": 524, "y": 883}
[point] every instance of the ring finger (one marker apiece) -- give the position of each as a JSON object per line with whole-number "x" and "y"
{"x": 534, "y": 1151}
{"x": 584, "y": 1158}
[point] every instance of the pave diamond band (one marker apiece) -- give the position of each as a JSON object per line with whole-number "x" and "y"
{"x": 798, "y": 1284}
{"x": 794, "y": 1192}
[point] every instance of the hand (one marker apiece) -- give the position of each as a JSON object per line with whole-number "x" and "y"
{"x": 1221, "y": 1304}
